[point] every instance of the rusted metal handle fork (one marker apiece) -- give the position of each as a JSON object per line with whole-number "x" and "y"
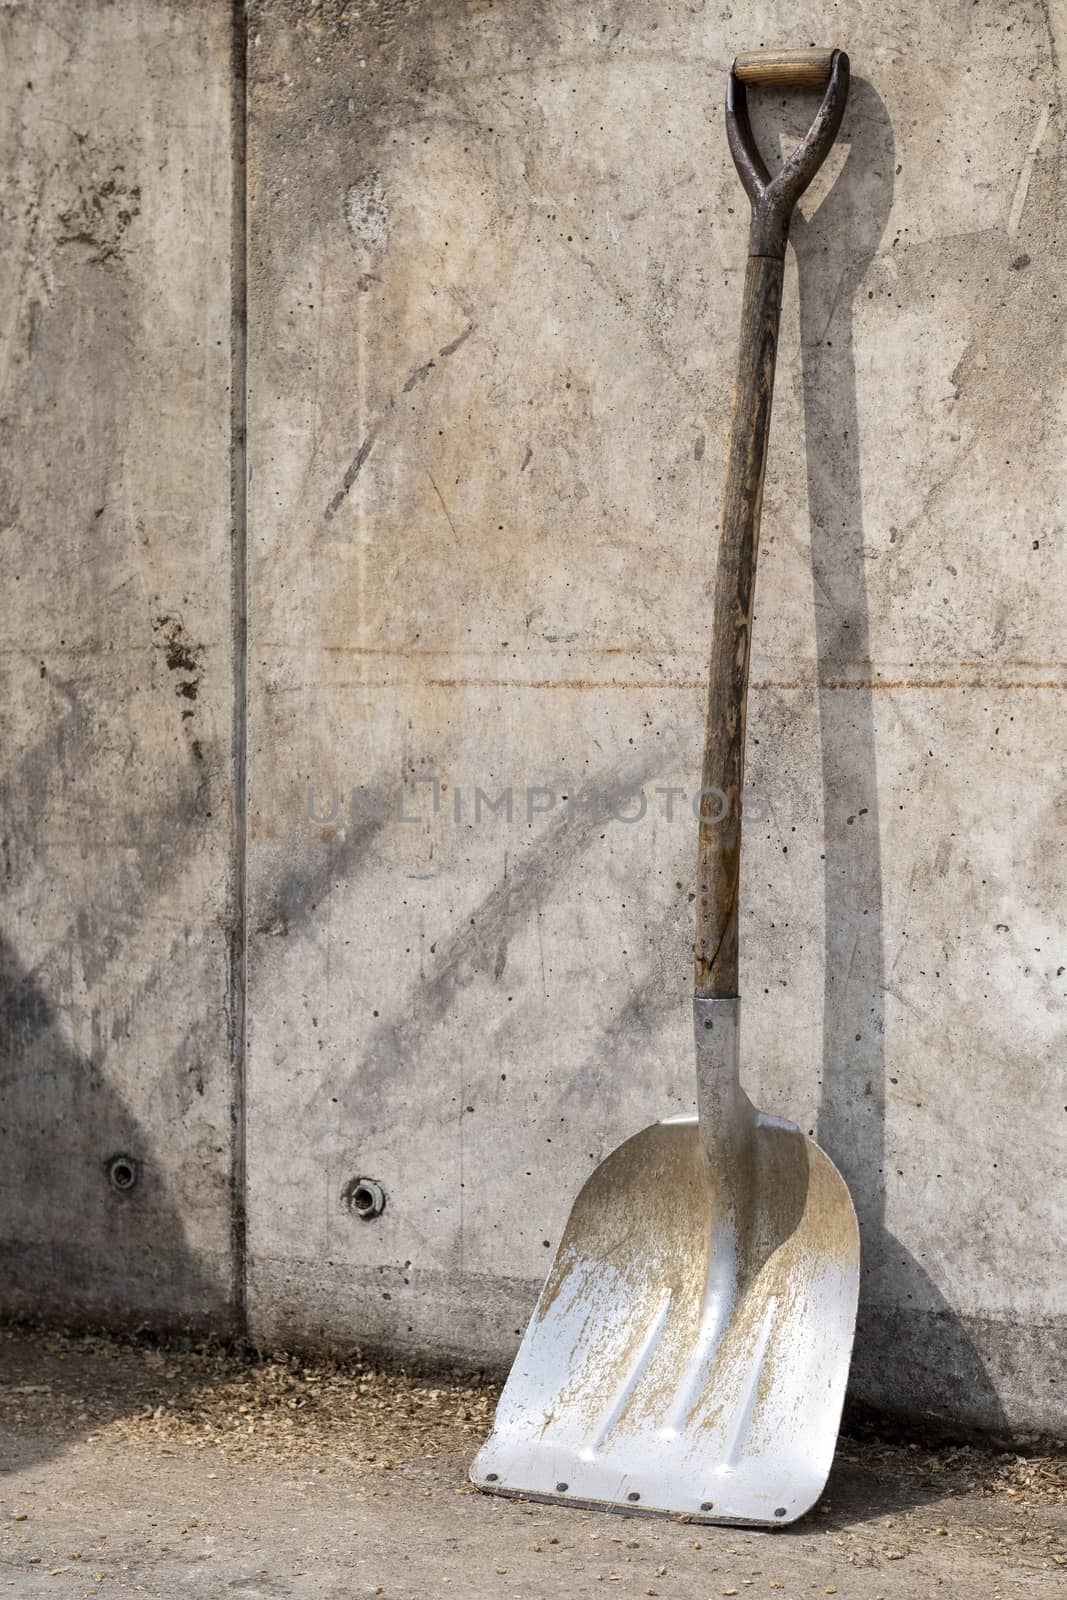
{"x": 773, "y": 200}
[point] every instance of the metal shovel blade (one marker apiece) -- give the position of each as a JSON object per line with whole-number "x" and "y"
{"x": 689, "y": 1352}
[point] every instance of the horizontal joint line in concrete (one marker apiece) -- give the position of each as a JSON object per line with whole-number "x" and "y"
{"x": 929, "y": 684}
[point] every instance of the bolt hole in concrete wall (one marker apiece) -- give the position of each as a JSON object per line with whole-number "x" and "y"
{"x": 493, "y": 286}
{"x": 363, "y": 1198}
{"x": 123, "y": 1173}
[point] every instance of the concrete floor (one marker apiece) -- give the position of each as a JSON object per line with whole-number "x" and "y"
{"x": 106, "y": 1492}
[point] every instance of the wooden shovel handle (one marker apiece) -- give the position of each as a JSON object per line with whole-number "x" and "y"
{"x": 784, "y": 66}
{"x": 719, "y": 832}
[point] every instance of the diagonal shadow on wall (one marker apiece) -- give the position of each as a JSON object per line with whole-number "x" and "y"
{"x": 123, "y": 1259}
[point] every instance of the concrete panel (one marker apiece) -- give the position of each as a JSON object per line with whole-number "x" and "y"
{"x": 495, "y": 280}
{"x": 118, "y": 663}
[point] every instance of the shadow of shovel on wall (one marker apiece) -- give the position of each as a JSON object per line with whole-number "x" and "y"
{"x": 912, "y": 1357}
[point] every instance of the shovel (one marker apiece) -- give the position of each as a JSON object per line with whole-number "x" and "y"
{"x": 689, "y": 1351}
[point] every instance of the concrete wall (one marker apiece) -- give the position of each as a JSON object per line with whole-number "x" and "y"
{"x": 494, "y": 279}
{"x": 118, "y": 668}
{"x": 497, "y": 255}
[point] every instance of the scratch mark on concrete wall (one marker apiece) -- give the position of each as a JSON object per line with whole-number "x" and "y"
{"x": 359, "y": 459}
{"x": 418, "y": 375}
{"x": 444, "y": 508}
{"x": 354, "y": 470}
{"x": 450, "y": 349}
{"x": 1022, "y": 188}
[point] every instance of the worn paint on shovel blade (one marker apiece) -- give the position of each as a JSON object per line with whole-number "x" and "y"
{"x": 679, "y": 1361}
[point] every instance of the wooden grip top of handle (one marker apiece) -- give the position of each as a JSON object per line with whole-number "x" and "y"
{"x": 784, "y": 66}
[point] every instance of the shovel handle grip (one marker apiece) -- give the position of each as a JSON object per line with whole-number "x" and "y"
{"x": 719, "y": 834}
{"x": 784, "y": 66}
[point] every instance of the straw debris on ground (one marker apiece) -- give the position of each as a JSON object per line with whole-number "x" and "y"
{"x": 341, "y": 1406}
{"x": 250, "y": 1406}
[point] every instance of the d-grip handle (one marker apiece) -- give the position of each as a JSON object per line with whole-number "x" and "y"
{"x": 773, "y": 199}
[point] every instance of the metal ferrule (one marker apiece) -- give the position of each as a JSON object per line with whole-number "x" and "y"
{"x": 727, "y": 1116}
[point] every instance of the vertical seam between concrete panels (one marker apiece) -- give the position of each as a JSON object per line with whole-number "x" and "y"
{"x": 239, "y": 579}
